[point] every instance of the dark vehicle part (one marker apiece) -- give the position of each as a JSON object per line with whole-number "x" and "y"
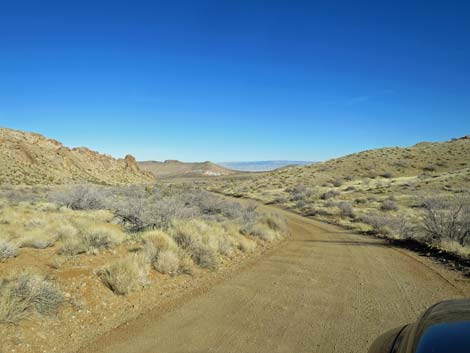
{"x": 443, "y": 328}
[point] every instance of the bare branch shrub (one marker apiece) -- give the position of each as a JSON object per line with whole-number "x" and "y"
{"x": 79, "y": 197}
{"x": 447, "y": 218}
{"x": 395, "y": 227}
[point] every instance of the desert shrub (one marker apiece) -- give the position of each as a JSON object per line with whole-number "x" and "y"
{"x": 300, "y": 204}
{"x": 7, "y": 250}
{"x": 330, "y": 203}
{"x": 360, "y": 201}
{"x": 350, "y": 188}
{"x": 79, "y": 197}
{"x": 329, "y": 194}
{"x": 300, "y": 193}
{"x": 167, "y": 261}
{"x": 337, "y": 183}
{"x": 346, "y": 209}
{"x": 28, "y": 293}
{"x": 126, "y": 275}
{"x": 204, "y": 256}
{"x": 387, "y": 175}
{"x": 156, "y": 208}
{"x": 388, "y": 205}
{"x": 280, "y": 200}
{"x": 16, "y": 194}
{"x": 397, "y": 227}
{"x": 402, "y": 163}
{"x": 447, "y": 218}
{"x": 317, "y": 211}
{"x": 429, "y": 168}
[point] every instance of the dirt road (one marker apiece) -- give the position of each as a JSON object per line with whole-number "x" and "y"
{"x": 322, "y": 290}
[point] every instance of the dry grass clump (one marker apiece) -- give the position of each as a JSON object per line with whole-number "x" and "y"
{"x": 38, "y": 242}
{"x": 226, "y": 246}
{"x": 165, "y": 254}
{"x": 126, "y": 275}
{"x": 41, "y": 225}
{"x": 7, "y": 250}
{"x": 158, "y": 240}
{"x": 276, "y": 222}
{"x": 269, "y": 227}
{"x": 90, "y": 240}
{"x": 263, "y": 232}
{"x": 204, "y": 241}
{"x": 167, "y": 262}
{"x": 26, "y": 294}
{"x": 247, "y": 245}
{"x": 455, "y": 247}
{"x": 204, "y": 256}
{"x": 34, "y": 223}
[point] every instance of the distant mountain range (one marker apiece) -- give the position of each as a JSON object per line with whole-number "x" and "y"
{"x": 174, "y": 168}
{"x": 261, "y": 166}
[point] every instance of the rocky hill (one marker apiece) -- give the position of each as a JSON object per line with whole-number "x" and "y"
{"x": 30, "y": 158}
{"x": 174, "y": 168}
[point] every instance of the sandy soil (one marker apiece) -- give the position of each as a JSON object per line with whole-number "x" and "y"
{"x": 323, "y": 290}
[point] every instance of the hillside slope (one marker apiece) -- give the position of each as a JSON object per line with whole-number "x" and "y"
{"x": 387, "y": 191}
{"x": 449, "y": 160}
{"x": 30, "y": 158}
{"x": 173, "y": 168}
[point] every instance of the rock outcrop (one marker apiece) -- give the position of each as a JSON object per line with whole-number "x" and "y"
{"x": 30, "y": 159}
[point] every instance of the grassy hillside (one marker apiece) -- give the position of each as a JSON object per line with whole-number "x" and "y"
{"x": 174, "y": 169}
{"x": 30, "y": 159}
{"x": 383, "y": 190}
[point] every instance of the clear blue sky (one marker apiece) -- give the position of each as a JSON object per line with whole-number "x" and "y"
{"x": 236, "y": 80}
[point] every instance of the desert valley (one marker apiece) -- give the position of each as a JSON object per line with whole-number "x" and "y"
{"x": 88, "y": 242}
{"x": 233, "y": 176}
